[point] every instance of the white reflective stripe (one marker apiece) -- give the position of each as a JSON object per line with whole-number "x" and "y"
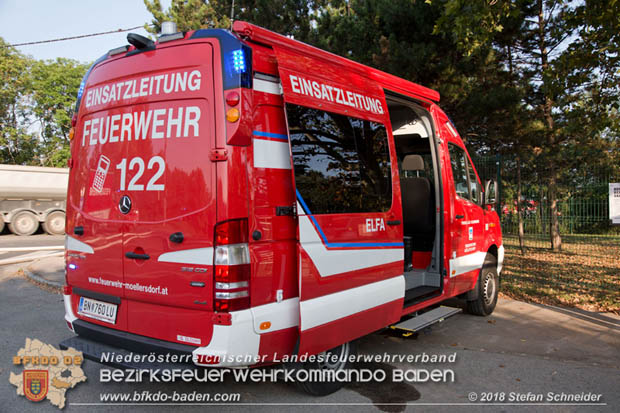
{"x": 200, "y": 256}
{"x": 331, "y": 307}
{"x": 236, "y": 344}
{"x": 69, "y": 315}
{"x": 500, "y": 259}
{"x": 271, "y": 154}
{"x": 232, "y": 295}
{"x": 467, "y": 263}
{"x": 72, "y": 244}
{"x": 284, "y": 314}
{"x": 336, "y": 261}
{"x": 266, "y": 86}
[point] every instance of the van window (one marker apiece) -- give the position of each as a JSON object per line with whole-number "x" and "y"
{"x": 459, "y": 170}
{"x": 342, "y": 164}
{"x": 474, "y": 185}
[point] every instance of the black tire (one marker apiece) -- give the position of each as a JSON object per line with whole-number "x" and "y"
{"x": 323, "y": 388}
{"x": 488, "y": 289}
{"x": 24, "y": 223}
{"x": 54, "y": 223}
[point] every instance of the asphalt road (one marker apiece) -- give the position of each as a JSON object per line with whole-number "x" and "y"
{"x": 10, "y": 241}
{"x": 521, "y": 348}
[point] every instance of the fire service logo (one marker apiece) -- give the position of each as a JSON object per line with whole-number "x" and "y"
{"x": 48, "y": 372}
{"x": 35, "y": 384}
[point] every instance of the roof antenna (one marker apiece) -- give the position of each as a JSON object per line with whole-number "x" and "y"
{"x": 232, "y": 14}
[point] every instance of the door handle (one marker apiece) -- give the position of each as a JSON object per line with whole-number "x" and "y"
{"x": 177, "y": 237}
{"x": 394, "y": 222}
{"x": 135, "y": 256}
{"x": 459, "y": 216}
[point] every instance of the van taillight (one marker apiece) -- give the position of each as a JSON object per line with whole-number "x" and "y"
{"x": 232, "y": 266}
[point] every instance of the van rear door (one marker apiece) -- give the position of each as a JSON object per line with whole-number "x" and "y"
{"x": 350, "y": 245}
{"x": 158, "y": 191}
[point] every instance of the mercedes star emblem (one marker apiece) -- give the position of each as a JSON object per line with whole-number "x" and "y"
{"x": 125, "y": 204}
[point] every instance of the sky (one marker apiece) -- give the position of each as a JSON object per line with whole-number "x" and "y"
{"x": 32, "y": 20}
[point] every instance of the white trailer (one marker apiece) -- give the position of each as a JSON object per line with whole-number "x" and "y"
{"x": 32, "y": 195}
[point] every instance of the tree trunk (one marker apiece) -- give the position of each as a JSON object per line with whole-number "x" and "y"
{"x": 541, "y": 210}
{"x": 519, "y": 209}
{"x": 556, "y": 240}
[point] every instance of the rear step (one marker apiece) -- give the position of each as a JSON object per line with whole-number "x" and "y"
{"x": 418, "y": 323}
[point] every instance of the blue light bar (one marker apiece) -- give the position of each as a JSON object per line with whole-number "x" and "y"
{"x": 238, "y": 60}
{"x": 236, "y": 57}
{"x": 81, "y": 89}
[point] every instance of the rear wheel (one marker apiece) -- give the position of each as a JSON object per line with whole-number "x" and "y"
{"x": 335, "y": 360}
{"x": 24, "y": 223}
{"x": 55, "y": 223}
{"x": 488, "y": 289}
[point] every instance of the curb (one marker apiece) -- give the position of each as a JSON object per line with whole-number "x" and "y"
{"x": 40, "y": 280}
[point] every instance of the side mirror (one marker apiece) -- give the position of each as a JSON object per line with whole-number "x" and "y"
{"x": 490, "y": 192}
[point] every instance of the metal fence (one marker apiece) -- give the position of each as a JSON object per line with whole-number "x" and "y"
{"x": 586, "y": 272}
{"x": 582, "y": 205}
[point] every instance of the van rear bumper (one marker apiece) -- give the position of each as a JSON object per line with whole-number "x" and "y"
{"x": 125, "y": 350}
{"x": 230, "y": 347}
{"x": 119, "y": 357}
{"x": 234, "y": 345}
{"x": 128, "y": 341}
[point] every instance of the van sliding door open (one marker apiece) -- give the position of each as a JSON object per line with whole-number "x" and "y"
{"x": 350, "y": 245}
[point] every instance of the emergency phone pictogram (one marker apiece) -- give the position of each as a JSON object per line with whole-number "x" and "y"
{"x": 101, "y": 173}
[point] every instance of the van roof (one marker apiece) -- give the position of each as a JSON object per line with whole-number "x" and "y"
{"x": 391, "y": 82}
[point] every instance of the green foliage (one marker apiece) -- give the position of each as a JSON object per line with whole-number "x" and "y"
{"x": 187, "y": 14}
{"x": 54, "y": 85}
{"x": 16, "y": 145}
{"x": 291, "y": 17}
{"x": 36, "y": 104}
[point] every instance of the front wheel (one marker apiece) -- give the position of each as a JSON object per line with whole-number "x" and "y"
{"x": 488, "y": 289}
{"x": 333, "y": 360}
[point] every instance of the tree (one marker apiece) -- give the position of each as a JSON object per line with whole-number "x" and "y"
{"x": 36, "y": 104}
{"x": 54, "y": 86}
{"x": 290, "y": 17}
{"x": 564, "y": 57}
{"x": 16, "y": 145}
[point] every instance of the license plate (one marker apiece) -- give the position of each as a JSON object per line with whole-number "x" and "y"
{"x": 97, "y": 309}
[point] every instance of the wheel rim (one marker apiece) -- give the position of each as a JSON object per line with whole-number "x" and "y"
{"x": 57, "y": 223}
{"x": 489, "y": 289}
{"x": 340, "y": 353}
{"x": 24, "y": 224}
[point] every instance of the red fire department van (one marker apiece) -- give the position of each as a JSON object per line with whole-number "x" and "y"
{"x": 239, "y": 195}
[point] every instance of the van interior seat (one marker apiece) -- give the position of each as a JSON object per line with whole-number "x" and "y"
{"x": 416, "y": 197}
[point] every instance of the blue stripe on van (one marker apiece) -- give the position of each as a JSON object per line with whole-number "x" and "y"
{"x": 342, "y": 244}
{"x": 270, "y": 135}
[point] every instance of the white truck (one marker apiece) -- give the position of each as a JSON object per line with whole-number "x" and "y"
{"x": 30, "y": 195}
